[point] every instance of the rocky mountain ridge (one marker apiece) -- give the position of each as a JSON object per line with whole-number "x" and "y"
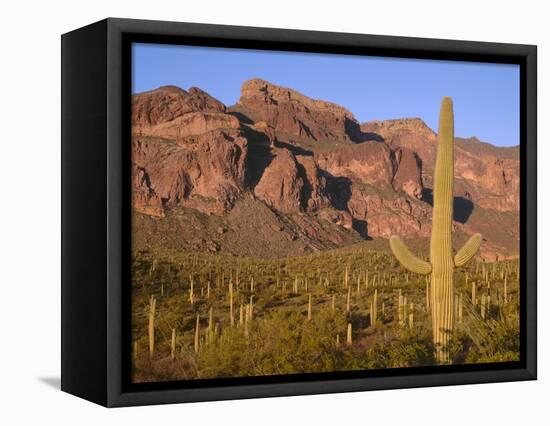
{"x": 311, "y": 159}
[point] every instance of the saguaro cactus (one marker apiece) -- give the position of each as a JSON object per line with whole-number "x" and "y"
{"x": 197, "y": 334}
{"x": 349, "y": 339}
{"x": 442, "y": 262}
{"x": 151, "y": 326}
{"x": 173, "y": 345}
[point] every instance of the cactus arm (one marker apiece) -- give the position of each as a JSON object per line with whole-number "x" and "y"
{"x": 468, "y": 250}
{"x": 407, "y": 259}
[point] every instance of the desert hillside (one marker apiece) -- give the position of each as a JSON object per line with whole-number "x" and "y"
{"x": 280, "y": 174}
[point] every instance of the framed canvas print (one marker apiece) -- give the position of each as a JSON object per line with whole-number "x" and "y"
{"x": 252, "y": 212}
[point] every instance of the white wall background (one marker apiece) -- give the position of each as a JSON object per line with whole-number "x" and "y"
{"x": 30, "y": 211}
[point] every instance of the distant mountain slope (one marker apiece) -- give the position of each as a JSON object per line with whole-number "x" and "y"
{"x": 327, "y": 179}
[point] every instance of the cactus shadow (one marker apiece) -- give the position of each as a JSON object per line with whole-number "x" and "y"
{"x": 462, "y": 207}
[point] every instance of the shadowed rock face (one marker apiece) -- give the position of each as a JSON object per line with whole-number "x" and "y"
{"x": 312, "y": 161}
{"x": 408, "y": 176}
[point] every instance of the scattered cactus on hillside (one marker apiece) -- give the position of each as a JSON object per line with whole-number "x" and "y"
{"x": 386, "y": 313}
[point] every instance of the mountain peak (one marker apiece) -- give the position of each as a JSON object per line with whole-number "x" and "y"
{"x": 167, "y": 103}
{"x": 275, "y": 94}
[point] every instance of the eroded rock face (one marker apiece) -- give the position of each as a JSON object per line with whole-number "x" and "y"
{"x": 293, "y": 114}
{"x": 489, "y": 174}
{"x": 369, "y": 162}
{"x": 281, "y": 185}
{"x": 206, "y": 172}
{"x": 386, "y": 217}
{"x": 144, "y": 198}
{"x": 314, "y": 191}
{"x": 491, "y": 181}
{"x": 192, "y": 124}
{"x": 168, "y": 103}
{"x": 192, "y": 152}
{"x": 411, "y": 133}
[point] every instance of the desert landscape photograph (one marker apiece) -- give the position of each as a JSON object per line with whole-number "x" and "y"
{"x": 298, "y": 213}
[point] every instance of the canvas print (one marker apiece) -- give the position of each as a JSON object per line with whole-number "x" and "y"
{"x": 298, "y": 213}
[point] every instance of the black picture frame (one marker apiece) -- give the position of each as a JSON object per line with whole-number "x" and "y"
{"x": 96, "y": 211}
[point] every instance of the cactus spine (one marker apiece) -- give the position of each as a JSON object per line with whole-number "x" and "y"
{"x": 442, "y": 263}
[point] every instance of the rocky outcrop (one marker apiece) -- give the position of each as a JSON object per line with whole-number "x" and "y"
{"x": 281, "y": 185}
{"x": 144, "y": 198}
{"x": 369, "y": 162}
{"x": 173, "y": 113}
{"x": 192, "y": 152}
{"x": 411, "y": 133}
{"x": 490, "y": 180}
{"x": 294, "y": 115}
{"x": 207, "y": 172}
{"x": 314, "y": 191}
{"x": 192, "y": 124}
{"x": 168, "y": 103}
{"x": 388, "y": 216}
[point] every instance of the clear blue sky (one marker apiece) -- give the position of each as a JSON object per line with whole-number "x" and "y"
{"x": 486, "y": 96}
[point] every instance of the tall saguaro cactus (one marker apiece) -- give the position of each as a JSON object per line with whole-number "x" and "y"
{"x": 442, "y": 262}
